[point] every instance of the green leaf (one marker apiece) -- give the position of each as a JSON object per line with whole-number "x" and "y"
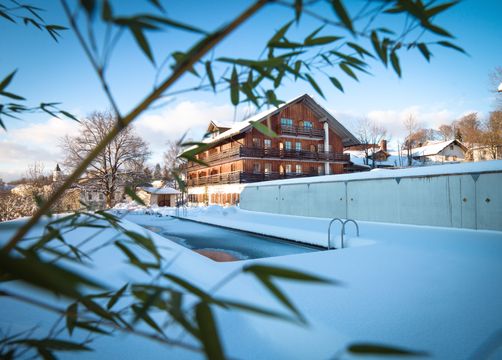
{"x": 157, "y": 4}
{"x": 71, "y": 317}
{"x": 146, "y": 318}
{"x": 234, "y": 87}
{"x": 133, "y": 259}
{"x": 440, "y": 8}
{"x": 348, "y": 70}
{"x": 257, "y": 310}
{"x": 172, "y": 23}
{"x": 437, "y": 30}
{"x": 7, "y": 16}
{"x": 142, "y": 42}
{"x": 264, "y": 129}
{"x": 190, "y": 287}
{"x": 314, "y": 84}
{"x": 379, "y": 48}
{"x": 132, "y": 194}
{"x": 450, "y": 45}
{"x": 113, "y": 300}
{"x": 106, "y": 12}
{"x": 298, "y": 10}
{"x": 322, "y": 40}
{"x": 67, "y": 114}
{"x": 360, "y": 50}
{"x": 52, "y": 344}
{"x": 279, "y": 34}
{"x": 210, "y": 75}
{"x": 208, "y": 332}
{"x": 424, "y": 50}
{"x": 89, "y": 7}
{"x": 382, "y": 350}
{"x": 143, "y": 241}
{"x": 45, "y": 276}
{"x": 11, "y": 95}
{"x": 337, "y": 83}
{"x": 6, "y": 81}
{"x": 280, "y": 272}
{"x": 342, "y": 14}
{"x": 395, "y": 63}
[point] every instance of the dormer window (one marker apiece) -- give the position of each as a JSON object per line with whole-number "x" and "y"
{"x": 307, "y": 124}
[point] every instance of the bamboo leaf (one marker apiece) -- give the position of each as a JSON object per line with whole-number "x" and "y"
{"x": 234, "y": 87}
{"x": 337, "y": 83}
{"x": 382, "y": 350}
{"x": 143, "y": 241}
{"x": 11, "y": 95}
{"x": 142, "y": 42}
{"x": 322, "y": 40}
{"x": 67, "y": 114}
{"x": 132, "y": 194}
{"x": 360, "y": 50}
{"x": 280, "y": 272}
{"x": 440, "y": 8}
{"x": 314, "y": 84}
{"x": 450, "y": 45}
{"x": 257, "y": 310}
{"x": 71, "y": 317}
{"x": 424, "y": 50}
{"x": 52, "y": 344}
{"x": 6, "y": 81}
{"x": 298, "y": 10}
{"x": 190, "y": 287}
{"x": 348, "y": 70}
{"x": 342, "y": 14}
{"x": 146, "y": 318}
{"x": 210, "y": 75}
{"x": 113, "y": 300}
{"x": 264, "y": 129}
{"x": 89, "y": 7}
{"x": 279, "y": 34}
{"x": 208, "y": 332}
{"x": 395, "y": 63}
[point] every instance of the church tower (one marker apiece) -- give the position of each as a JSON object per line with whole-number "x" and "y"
{"x": 57, "y": 174}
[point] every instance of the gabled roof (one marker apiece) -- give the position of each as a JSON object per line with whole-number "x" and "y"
{"x": 434, "y": 148}
{"x": 237, "y": 128}
{"x": 160, "y": 191}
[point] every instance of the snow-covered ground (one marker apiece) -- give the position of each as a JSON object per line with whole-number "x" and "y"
{"x": 423, "y": 288}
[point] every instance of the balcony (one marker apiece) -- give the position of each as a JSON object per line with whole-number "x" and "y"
{"x": 301, "y": 131}
{"x": 270, "y": 153}
{"x": 239, "y": 177}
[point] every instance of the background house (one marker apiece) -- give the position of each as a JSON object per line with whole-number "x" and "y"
{"x": 440, "y": 152}
{"x": 154, "y": 196}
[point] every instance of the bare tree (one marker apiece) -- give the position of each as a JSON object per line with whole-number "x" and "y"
{"x": 173, "y": 164}
{"x": 116, "y": 163}
{"x": 370, "y": 133}
{"x": 411, "y": 125}
{"x": 495, "y": 81}
{"x": 492, "y": 134}
{"x": 447, "y": 131}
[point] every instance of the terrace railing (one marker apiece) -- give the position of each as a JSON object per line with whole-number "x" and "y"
{"x": 240, "y": 177}
{"x": 254, "y": 152}
{"x": 301, "y": 131}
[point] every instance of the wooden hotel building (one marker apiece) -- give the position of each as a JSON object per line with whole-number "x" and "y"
{"x": 310, "y": 142}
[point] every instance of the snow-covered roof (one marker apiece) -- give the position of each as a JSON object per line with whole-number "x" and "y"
{"x": 239, "y": 127}
{"x": 160, "y": 191}
{"x": 434, "y": 147}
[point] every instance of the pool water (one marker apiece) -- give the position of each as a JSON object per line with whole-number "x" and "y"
{"x": 223, "y": 244}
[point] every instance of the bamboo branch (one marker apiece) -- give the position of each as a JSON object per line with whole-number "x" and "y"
{"x": 129, "y": 118}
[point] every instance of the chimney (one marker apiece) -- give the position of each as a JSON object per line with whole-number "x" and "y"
{"x": 383, "y": 145}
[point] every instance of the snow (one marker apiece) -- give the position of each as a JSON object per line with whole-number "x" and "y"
{"x": 433, "y": 170}
{"x": 423, "y": 288}
{"x": 160, "y": 191}
{"x": 431, "y": 148}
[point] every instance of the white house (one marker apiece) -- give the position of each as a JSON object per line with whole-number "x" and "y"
{"x": 440, "y": 152}
{"x": 164, "y": 196}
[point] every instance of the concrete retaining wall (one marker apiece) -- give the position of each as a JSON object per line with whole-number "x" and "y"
{"x": 472, "y": 200}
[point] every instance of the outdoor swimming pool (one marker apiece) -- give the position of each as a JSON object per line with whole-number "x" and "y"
{"x": 222, "y": 244}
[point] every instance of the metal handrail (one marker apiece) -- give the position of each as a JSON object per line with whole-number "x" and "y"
{"x": 342, "y": 232}
{"x": 329, "y": 230}
{"x": 343, "y": 228}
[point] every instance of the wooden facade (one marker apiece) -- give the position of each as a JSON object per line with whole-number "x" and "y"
{"x": 242, "y": 154}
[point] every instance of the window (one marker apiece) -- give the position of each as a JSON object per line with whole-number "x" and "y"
{"x": 256, "y": 142}
{"x": 312, "y": 169}
{"x": 232, "y": 167}
{"x": 268, "y": 168}
{"x": 320, "y": 170}
{"x": 288, "y": 168}
{"x": 451, "y": 147}
{"x": 298, "y": 146}
{"x": 89, "y": 197}
{"x": 287, "y": 145}
{"x": 256, "y": 168}
{"x": 101, "y": 197}
{"x": 307, "y": 124}
{"x": 298, "y": 169}
{"x": 320, "y": 147}
{"x": 267, "y": 143}
{"x": 312, "y": 148}
{"x": 286, "y": 122}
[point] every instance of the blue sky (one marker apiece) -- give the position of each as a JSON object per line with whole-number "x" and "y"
{"x": 450, "y": 85}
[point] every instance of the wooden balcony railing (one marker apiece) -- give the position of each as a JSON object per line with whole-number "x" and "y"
{"x": 247, "y": 152}
{"x": 301, "y": 131}
{"x": 240, "y": 177}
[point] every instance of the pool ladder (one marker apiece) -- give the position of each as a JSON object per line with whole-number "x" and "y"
{"x": 342, "y": 231}
{"x": 183, "y": 211}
